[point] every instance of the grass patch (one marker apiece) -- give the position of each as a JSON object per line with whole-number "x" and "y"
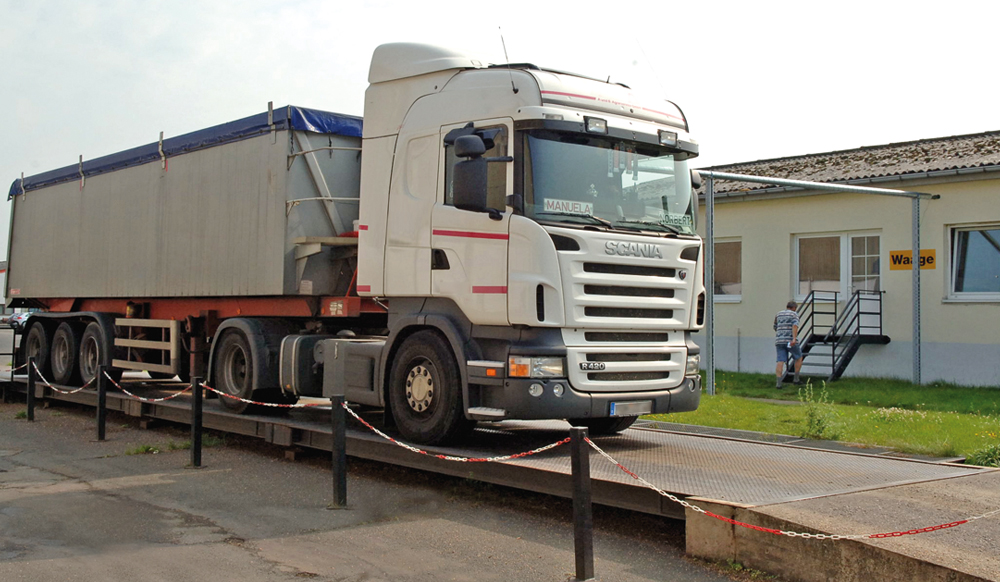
{"x": 873, "y": 392}
{"x": 207, "y": 441}
{"x": 923, "y": 432}
{"x": 21, "y": 414}
{"x": 143, "y": 450}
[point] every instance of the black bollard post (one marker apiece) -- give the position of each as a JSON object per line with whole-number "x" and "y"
{"x": 102, "y": 402}
{"x": 31, "y": 389}
{"x": 583, "y": 517}
{"x": 339, "y": 449}
{"x": 196, "y": 397}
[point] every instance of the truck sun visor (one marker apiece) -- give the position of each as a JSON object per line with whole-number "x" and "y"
{"x": 290, "y": 117}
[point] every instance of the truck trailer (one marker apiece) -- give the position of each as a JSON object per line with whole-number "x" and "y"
{"x": 488, "y": 242}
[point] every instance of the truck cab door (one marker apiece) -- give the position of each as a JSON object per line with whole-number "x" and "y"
{"x": 469, "y": 249}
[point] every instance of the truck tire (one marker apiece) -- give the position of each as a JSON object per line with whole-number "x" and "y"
{"x": 65, "y": 351}
{"x": 233, "y": 371}
{"x": 95, "y": 348}
{"x": 425, "y": 391}
{"x": 36, "y": 344}
{"x": 605, "y": 426}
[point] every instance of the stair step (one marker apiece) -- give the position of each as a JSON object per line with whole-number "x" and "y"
{"x": 486, "y": 413}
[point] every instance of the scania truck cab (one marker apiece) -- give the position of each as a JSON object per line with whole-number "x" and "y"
{"x": 538, "y": 229}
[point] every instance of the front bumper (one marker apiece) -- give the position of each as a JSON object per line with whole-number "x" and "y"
{"x": 519, "y": 404}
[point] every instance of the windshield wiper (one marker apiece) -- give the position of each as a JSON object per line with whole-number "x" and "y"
{"x": 669, "y": 227}
{"x": 597, "y": 219}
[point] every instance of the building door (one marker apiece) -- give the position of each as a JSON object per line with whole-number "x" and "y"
{"x": 865, "y": 276}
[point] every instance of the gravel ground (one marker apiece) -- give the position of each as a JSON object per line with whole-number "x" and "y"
{"x": 72, "y": 508}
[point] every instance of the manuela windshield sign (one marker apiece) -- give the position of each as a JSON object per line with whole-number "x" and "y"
{"x": 633, "y": 249}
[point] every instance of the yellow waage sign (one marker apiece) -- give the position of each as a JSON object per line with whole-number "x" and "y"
{"x": 903, "y": 260}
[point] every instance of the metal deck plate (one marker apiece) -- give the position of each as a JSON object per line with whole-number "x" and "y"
{"x": 726, "y": 469}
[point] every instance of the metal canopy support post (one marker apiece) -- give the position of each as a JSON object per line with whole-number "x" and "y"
{"x": 710, "y": 285}
{"x": 806, "y": 185}
{"x": 916, "y": 290}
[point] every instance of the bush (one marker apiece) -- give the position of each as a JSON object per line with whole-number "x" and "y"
{"x": 819, "y": 422}
{"x": 987, "y": 457}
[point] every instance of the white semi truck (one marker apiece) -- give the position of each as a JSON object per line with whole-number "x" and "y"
{"x": 491, "y": 243}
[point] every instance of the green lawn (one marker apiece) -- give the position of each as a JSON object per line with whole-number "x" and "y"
{"x": 938, "y": 420}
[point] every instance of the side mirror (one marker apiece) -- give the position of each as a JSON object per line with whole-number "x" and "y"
{"x": 469, "y": 146}
{"x": 469, "y": 178}
{"x": 696, "y": 180}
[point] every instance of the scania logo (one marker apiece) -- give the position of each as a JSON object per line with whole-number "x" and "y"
{"x": 631, "y": 249}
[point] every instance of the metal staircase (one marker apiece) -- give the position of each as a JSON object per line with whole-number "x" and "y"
{"x": 831, "y": 339}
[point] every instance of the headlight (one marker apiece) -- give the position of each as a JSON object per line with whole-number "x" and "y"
{"x": 693, "y": 365}
{"x": 527, "y": 367}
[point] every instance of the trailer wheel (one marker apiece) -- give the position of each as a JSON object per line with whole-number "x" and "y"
{"x": 36, "y": 344}
{"x": 234, "y": 369}
{"x": 64, "y": 353}
{"x": 605, "y": 426}
{"x": 425, "y": 391}
{"x": 93, "y": 349}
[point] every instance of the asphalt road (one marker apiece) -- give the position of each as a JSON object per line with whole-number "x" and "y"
{"x": 72, "y": 508}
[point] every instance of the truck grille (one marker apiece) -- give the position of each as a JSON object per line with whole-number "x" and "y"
{"x": 623, "y": 291}
{"x": 619, "y": 269}
{"x": 625, "y": 336}
{"x": 626, "y": 368}
{"x": 626, "y": 376}
{"x": 628, "y": 312}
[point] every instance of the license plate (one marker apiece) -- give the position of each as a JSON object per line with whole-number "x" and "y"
{"x": 631, "y": 408}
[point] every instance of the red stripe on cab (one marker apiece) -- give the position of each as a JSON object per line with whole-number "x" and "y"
{"x": 364, "y": 288}
{"x": 470, "y": 234}
{"x": 488, "y": 289}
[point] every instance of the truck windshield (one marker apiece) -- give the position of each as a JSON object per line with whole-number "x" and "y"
{"x": 587, "y": 180}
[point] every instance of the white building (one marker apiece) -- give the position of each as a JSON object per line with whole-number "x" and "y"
{"x": 774, "y": 244}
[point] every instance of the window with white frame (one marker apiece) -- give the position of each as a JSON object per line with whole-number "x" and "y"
{"x": 837, "y": 262}
{"x": 728, "y": 270}
{"x": 975, "y": 262}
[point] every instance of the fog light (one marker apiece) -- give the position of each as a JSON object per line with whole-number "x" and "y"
{"x": 668, "y": 138}
{"x": 558, "y": 390}
{"x": 595, "y": 125}
{"x": 535, "y": 389}
{"x": 693, "y": 365}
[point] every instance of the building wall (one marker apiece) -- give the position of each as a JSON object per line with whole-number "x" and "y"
{"x": 960, "y": 341}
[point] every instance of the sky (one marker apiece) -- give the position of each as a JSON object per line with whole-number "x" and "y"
{"x": 756, "y": 80}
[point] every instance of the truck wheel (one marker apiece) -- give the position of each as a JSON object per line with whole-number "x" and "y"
{"x": 605, "y": 426}
{"x": 425, "y": 391}
{"x": 94, "y": 347}
{"x": 36, "y": 344}
{"x": 64, "y": 352}
{"x": 234, "y": 369}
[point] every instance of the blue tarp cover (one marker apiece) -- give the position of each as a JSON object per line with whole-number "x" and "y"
{"x": 290, "y": 117}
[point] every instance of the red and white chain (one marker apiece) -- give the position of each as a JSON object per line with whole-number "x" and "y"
{"x": 140, "y": 398}
{"x": 450, "y": 457}
{"x": 270, "y": 404}
{"x": 816, "y": 536}
{"x": 46, "y": 382}
{"x": 12, "y": 370}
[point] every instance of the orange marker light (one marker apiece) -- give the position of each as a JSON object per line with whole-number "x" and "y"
{"x": 491, "y": 372}
{"x": 518, "y": 367}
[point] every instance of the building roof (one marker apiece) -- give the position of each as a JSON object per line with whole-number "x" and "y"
{"x": 899, "y": 161}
